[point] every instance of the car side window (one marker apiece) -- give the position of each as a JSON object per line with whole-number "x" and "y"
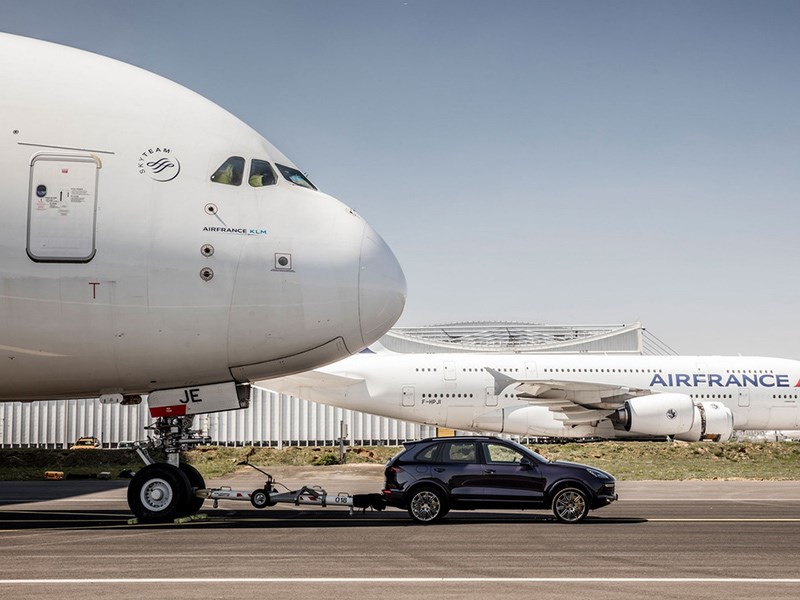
{"x": 500, "y": 454}
{"x": 230, "y": 172}
{"x": 427, "y": 454}
{"x": 459, "y": 452}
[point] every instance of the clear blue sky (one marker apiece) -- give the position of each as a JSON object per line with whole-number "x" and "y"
{"x": 557, "y": 162}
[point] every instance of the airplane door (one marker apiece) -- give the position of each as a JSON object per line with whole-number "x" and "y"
{"x": 491, "y": 398}
{"x": 449, "y": 370}
{"x": 62, "y": 207}
{"x": 744, "y": 396}
{"x": 408, "y": 395}
{"x": 531, "y": 371}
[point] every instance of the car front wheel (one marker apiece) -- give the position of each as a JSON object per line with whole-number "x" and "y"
{"x": 570, "y": 505}
{"x": 427, "y": 505}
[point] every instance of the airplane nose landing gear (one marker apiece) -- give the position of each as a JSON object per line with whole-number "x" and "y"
{"x": 167, "y": 491}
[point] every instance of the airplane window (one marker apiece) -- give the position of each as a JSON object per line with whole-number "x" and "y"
{"x": 295, "y": 176}
{"x": 230, "y": 172}
{"x": 261, "y": 174}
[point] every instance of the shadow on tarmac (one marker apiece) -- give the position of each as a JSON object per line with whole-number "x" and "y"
{"x": 273, "y": 519}
{"x": 25, "y": 492}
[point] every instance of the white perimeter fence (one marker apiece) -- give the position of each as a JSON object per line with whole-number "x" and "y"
{"x": 272, "y": 420}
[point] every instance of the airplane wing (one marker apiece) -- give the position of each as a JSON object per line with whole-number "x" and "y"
{"x": 573, "y": 402}
{"x": 292, "y": 384}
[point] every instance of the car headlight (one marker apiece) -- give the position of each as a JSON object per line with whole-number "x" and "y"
{"x": 598, "y": 474}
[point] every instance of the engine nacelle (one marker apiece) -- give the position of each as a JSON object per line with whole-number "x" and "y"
{"x": 657, "y": 414}
{"x": 712, "y": 421}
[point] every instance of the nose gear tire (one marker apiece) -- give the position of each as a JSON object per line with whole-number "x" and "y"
{"x": 159, "y": 492}
{"x": 196, "y": 481}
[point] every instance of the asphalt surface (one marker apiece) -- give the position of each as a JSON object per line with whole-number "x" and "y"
{"x": 714, "y": 539}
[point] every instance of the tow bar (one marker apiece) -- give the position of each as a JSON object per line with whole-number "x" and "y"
{"x": 306, "y": 495}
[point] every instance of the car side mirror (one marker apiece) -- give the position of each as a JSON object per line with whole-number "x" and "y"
{"x": 526, "y": 462}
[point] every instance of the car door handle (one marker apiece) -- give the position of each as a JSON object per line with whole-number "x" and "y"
{"x": 438, "y": 469}
{"x": 489, "y": 471}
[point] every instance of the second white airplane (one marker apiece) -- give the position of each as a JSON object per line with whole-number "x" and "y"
{"x": 572, "y": 396}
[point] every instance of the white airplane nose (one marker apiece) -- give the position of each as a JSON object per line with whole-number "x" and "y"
{"x": 381, "y": 287}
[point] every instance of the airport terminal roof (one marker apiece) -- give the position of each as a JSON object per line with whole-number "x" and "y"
{"x": 525, "y": 337}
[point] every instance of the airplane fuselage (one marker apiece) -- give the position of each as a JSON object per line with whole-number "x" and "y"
{"x": 127, "y": 264}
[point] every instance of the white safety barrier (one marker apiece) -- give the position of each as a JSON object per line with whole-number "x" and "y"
{"x": 272, "y": 420}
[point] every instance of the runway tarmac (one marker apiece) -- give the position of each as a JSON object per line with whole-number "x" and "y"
{"x": 711, "y": 539}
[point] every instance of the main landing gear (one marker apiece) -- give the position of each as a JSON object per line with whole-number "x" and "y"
{"x": 167, "y": 491}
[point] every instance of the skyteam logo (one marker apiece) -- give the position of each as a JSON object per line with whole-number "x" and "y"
{"x": 160, "y": 164}
{"x": 767, "y": 380}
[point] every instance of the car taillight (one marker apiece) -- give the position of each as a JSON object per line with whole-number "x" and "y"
{"x": 391, "y": 476}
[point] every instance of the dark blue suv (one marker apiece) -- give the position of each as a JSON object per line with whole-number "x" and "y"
{"x": 432, "y": 476}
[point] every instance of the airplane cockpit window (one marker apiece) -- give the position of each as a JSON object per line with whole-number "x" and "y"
{"x": 295, "y": 176}
{"x": 230, "y": 172}
{"x": 261, "y": 174}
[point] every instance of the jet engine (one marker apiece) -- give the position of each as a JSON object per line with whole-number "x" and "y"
{"x": 712, "y": 421}
{"x": 657, "y": 414}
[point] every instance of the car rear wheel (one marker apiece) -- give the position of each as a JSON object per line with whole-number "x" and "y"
{"x": 427, "y": 505}
{"x": 570, "y": 505}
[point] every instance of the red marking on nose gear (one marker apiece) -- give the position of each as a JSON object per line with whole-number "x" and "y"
{"x": 168, "y": 411}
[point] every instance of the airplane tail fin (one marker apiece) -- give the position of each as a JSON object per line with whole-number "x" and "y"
{"x": 501, "y": 381}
